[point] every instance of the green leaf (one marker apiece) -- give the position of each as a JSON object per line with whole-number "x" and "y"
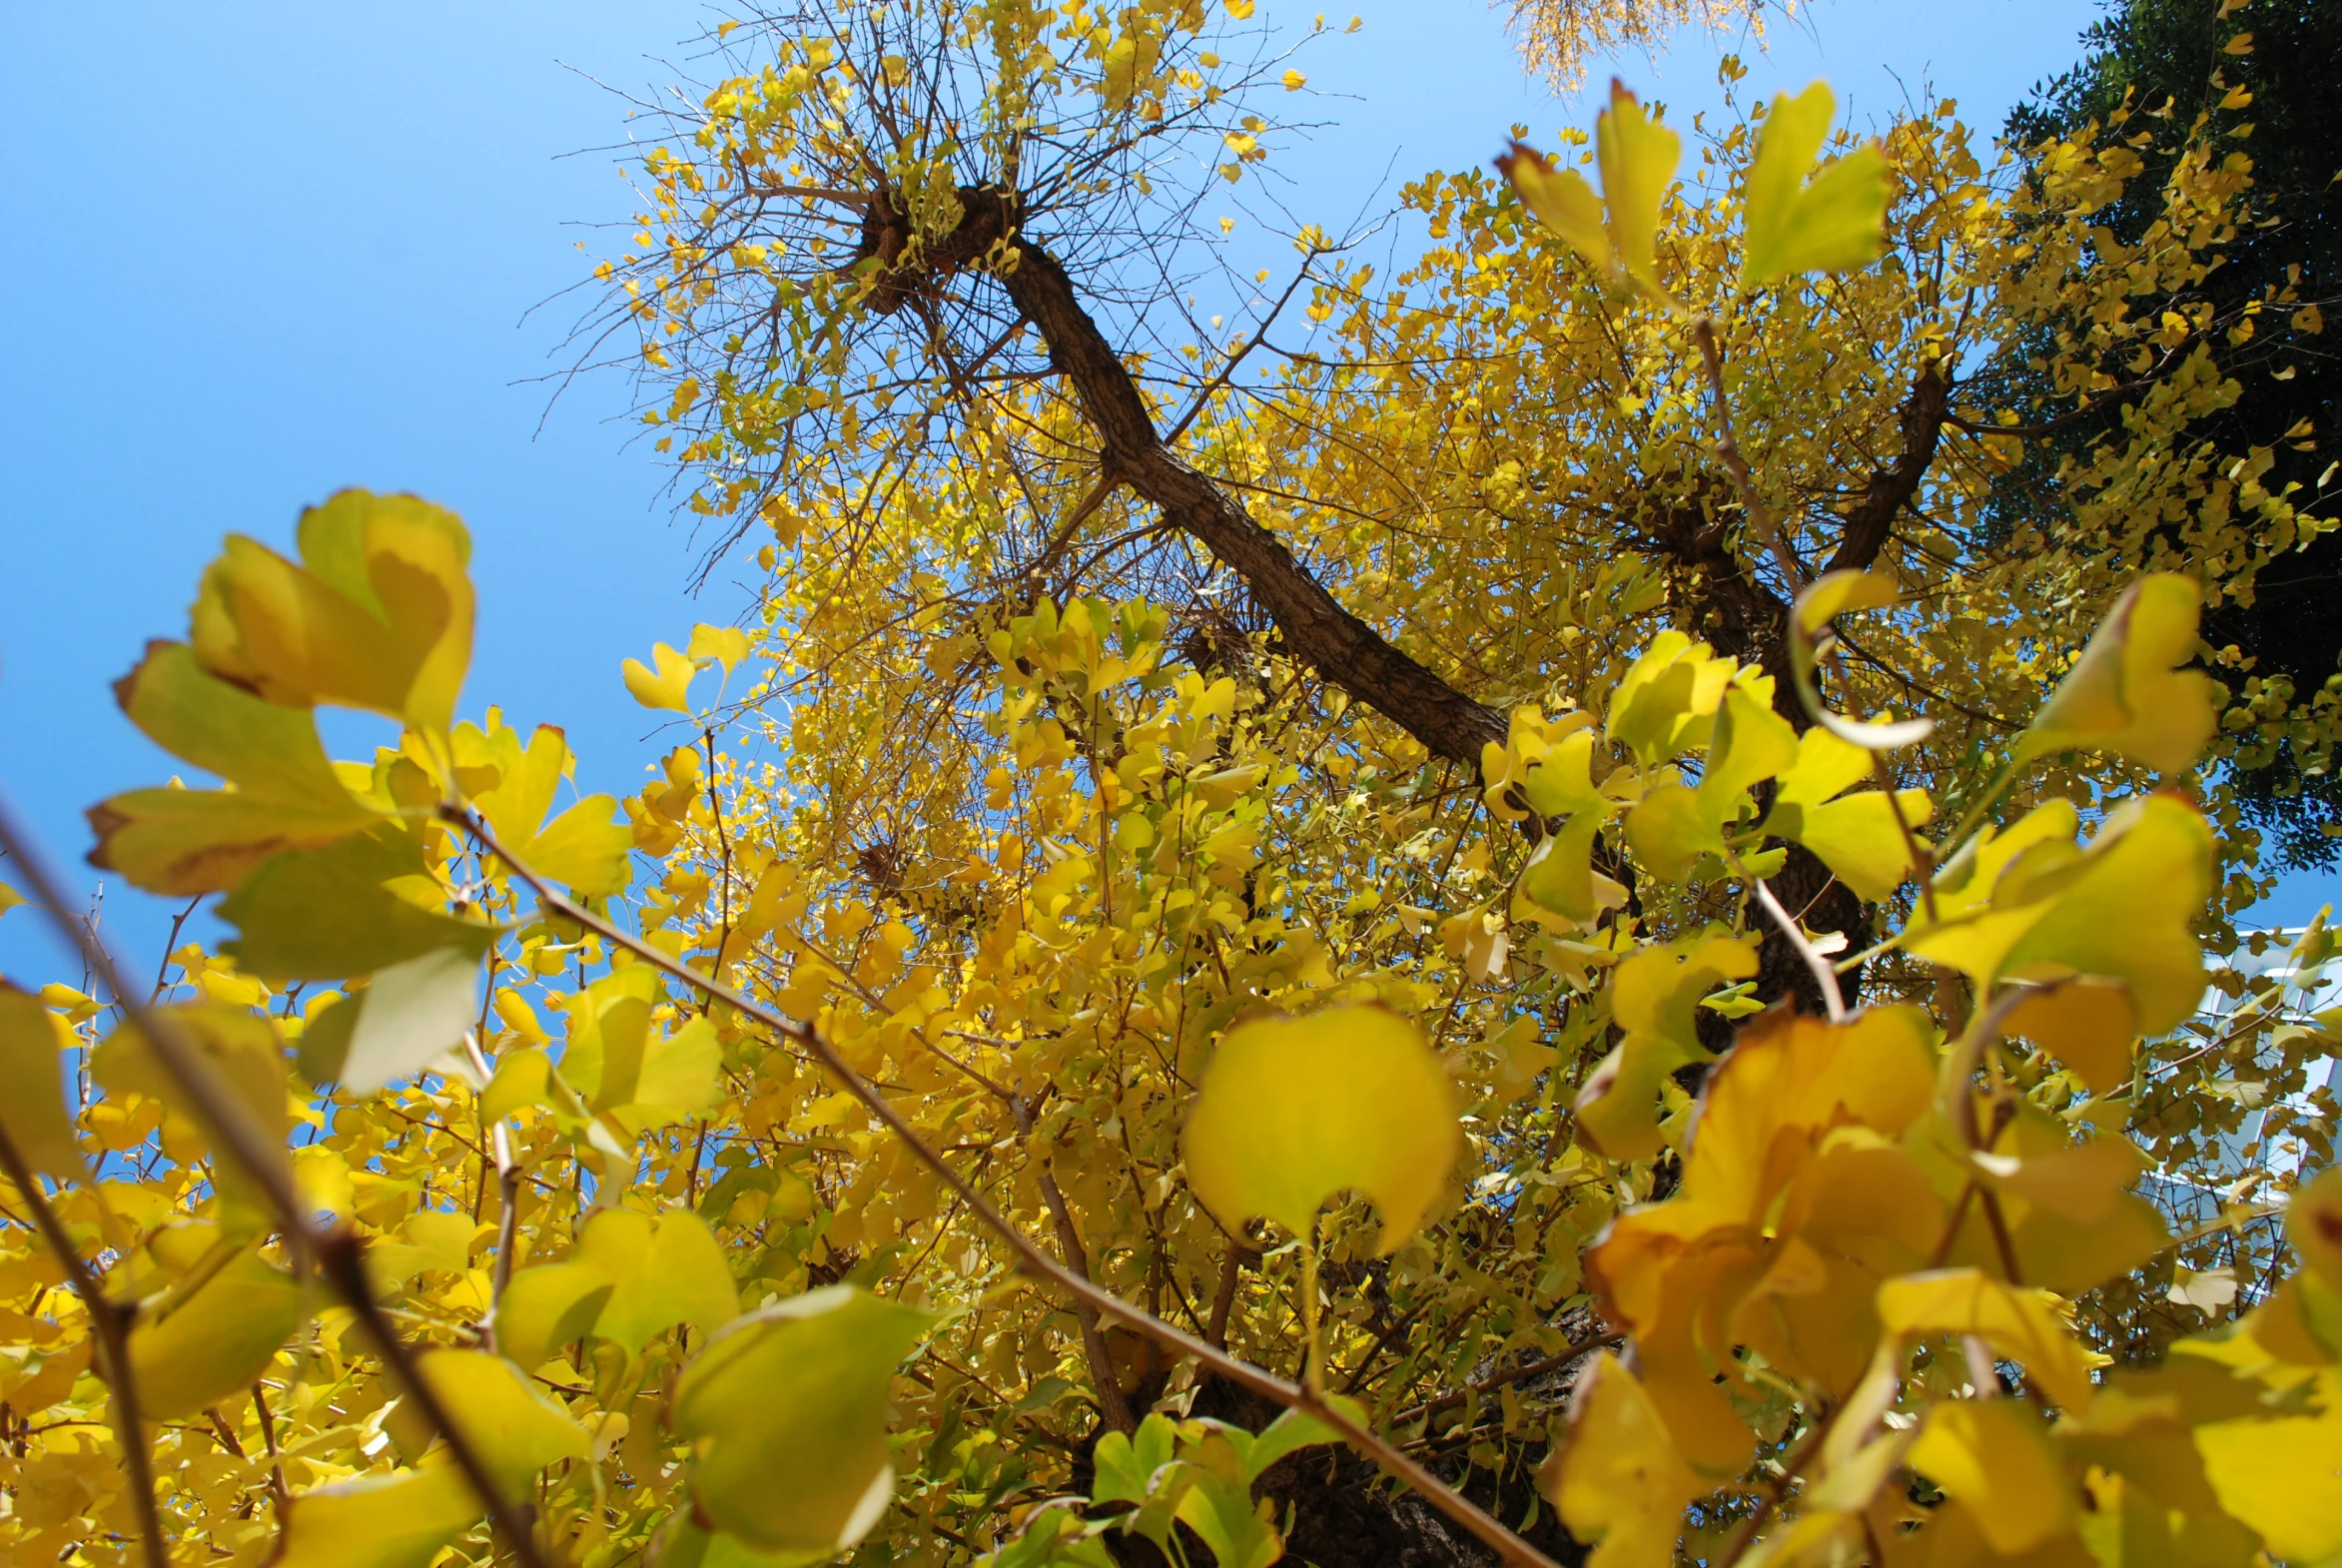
{"x": 1560, "y": 875}
{"x": 31, "y": 1085}
{"x": 379, "y": 614}
{"x": 1655, "y": 994}
{"x": 1835, "y": 223}
{"x": 239, "y": 1048}
{"x": 2123, "y": 695}
{"x": 1217, "y": 1505}
{"x": 679, "y": 1077}
{"x": 1666, "y": 700}
{"x": 410, "y": 1015}
{"x": 786, "y": 1411}
{"x": 325, "y": 914}
{"x": 1296, "y": 1110}
{"x": 399, "y": 1520}
{"x": 188, "y": 841}
{"x": 630, "y": 1276}
{"x": 217, "y": 1340}
{"x": 1637, "y": 156}
{"x": 514, "y": 1429}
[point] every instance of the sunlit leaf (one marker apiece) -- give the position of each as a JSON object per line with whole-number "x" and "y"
{"x": 378, "y": 615}
{"x": 399, "y": 1520}
{"x": 32, "y": 1087}
{"x": 786, "y": 1413}
{"x": 2123, "y": 695}
{"x": 1992, "y": 1457}
{"x": 668, "y": 686}
{"x": 1618, "y": 1482}
{"x": 1836, "y": 222}
{"x": 212, "y": 1343}
{"x": 1297, "y": 1109}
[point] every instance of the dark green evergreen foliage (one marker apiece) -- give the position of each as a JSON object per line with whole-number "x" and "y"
{"x": 2168, "y": 61}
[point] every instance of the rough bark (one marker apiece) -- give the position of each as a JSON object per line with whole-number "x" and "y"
{"x": 1311, "y": 624}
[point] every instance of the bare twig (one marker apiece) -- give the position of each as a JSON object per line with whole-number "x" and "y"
{"x": 1823, "y": 975}
{"x": 1030, "y": 1258}
{"x": 1728, "y": 447}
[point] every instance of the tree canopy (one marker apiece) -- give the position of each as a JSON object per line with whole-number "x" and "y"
{"x": 1502, "y": 911}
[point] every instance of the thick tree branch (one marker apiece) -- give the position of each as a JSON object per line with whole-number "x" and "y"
{"x": 1872, "y": 522}
{"x": 1340, "y": 647}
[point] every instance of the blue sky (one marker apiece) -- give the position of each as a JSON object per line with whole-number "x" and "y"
{"x": 265, "y": 251}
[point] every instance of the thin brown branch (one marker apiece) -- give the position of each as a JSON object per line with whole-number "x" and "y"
{"x": 108, "y": 1321}
{"x": 1030, "y": 1258}
{"x": 338, "y": 1253}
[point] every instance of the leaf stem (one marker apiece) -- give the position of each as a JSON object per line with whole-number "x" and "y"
{"x": 1031, "y": 1258}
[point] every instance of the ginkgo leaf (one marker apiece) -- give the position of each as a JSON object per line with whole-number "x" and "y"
{"x": 1993, "y": 1457}
{"x": 31, "y": 1085}
{"x": 242, "y": 1052}
{"x": 630, "y": 1276}
{"x": 2020, "y": 1325}
{"x": 1668, "y": 698}
{"x": 586, "y": 847}
{"x": 1297, "y": 1109}
{"x": 1857, "y": 836}
{"x": 2125, "y": 696}
{"x": 379, "y": 614}
{"x": 727, "y": 645}
{"x": 786, "y": 1412}
{"x": 2282, "y": 1476}
{"x": 2313, "y": 1223}
{"x": 2123, "y": 909}
{"x": 325, "y": 914}
{"x": 2088, "y": 1022}
{"x": 1834, "y": 223}
{"x": 398, "y": 1520}
{"x": 668, "y": 686}
{"x": 1619, "y": 1481}
{"x": 1637, "y": 156}
{"x": 513, "y": 1428}
{"x": 1560, "y": 874}
{"x": 1828, "y": 597}
{"x": 1563, "y": 199}
{"x": 216, "y": 1341}
{"x": 1655, "y": 992}
{"x": 186, "y": 841}
{"x": 410, "y": 1014}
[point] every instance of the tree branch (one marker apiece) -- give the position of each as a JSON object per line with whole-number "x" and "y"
{"x": 1030, "y": 1258}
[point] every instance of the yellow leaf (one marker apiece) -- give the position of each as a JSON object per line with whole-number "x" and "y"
{"x": 398, "y": 1520}
{"x": 214, "y": 1342}
{"x": 1653, "y": 994}
{"x": 32, "y": 1088}
{"x": 669, "y": 687}
{"x": 378, "y": 614}
{"x": 2087, "y": 1020}
{"x": 1993, "y": 1457}
{"x": 1619, "y": 1480}
{"x": 1637, "y": 156}
{"x": 586, "y": 846}
{"x": 1835, "y": 222}
{"x": 2283, "y": 1476}
{"x": 1296, "y": 1110}
{"x": 2020, "y": 1325}
{"x": 786, "y": 1412}
{"x": 1563, "y": 200}
{"x": 631, "y": 1277}
{"x": 2123, "y": 695}
{"x": 517, "y": 1430}
{"x": 2313, "y": 1223}
{"x": 727, "y": 645}
{"x": 1294, "y": 81}
{"x": 186, "y": 840}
